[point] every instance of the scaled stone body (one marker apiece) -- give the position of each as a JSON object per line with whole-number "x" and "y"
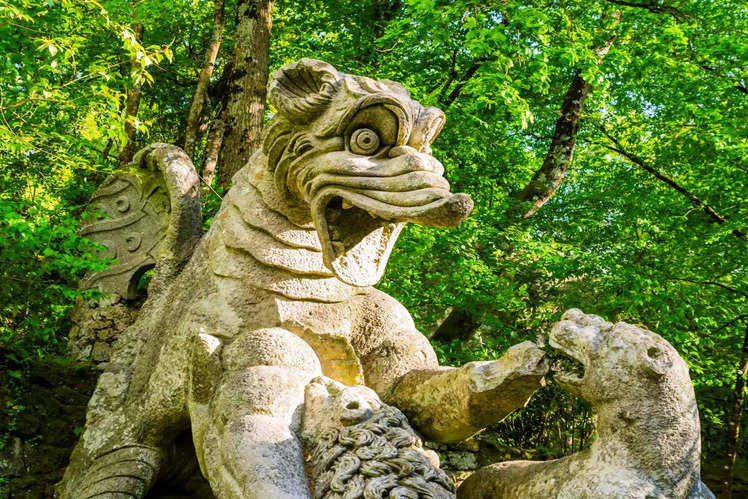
{"x": 277, "y": 293}
{"x": 648, "y": 443}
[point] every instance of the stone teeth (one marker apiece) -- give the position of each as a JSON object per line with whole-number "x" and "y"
{"x": 347, "y": 205}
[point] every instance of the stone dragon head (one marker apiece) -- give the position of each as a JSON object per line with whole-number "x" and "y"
{"x": 353, "y": 156}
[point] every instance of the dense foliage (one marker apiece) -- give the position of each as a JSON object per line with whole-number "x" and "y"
{"x": 628, "y": 235}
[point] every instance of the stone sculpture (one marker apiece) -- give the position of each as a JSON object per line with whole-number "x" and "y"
{"x": 277, "y": 293}
{"x": 648, "y": 443}
{"x": 360, "y": 447}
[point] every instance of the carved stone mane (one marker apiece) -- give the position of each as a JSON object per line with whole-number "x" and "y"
{"x": 359, "y": 447}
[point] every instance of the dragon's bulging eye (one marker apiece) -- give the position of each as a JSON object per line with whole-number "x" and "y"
{"x": 364, "y": 141}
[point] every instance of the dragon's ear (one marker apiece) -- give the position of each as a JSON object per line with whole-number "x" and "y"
{"x": 303, "y": 89}
{"x": 656, "y": 361}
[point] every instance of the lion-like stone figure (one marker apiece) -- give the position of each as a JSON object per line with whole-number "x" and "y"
{"x": 277, "y": 292}
{"x": 360, "y": 447}
{"x": 648, "y": 443}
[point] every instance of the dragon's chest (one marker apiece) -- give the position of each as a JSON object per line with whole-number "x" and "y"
{"x": 328, "y": 328}
{"x": 235, "y": 308}
{"x": 267, "y": 272}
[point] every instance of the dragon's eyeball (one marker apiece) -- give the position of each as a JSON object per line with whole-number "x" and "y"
{"x": 364, "y": 141}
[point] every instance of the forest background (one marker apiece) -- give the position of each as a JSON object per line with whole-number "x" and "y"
{"x": 603, "y": 142}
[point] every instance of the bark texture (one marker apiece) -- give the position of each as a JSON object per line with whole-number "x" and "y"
{"x": 551, "y": 173}
{"x": 247, "y": 89}
{"x": 459, "y": 324}
{"x": 193, "y": 118}
{"x": 733, "y": 430}
{"x": 133, "y": 103}
{"x": 549, "y": 176}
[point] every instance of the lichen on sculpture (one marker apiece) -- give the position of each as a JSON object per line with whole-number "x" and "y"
{"x": 278, "y": 292}
{"x": 648, "y": 443}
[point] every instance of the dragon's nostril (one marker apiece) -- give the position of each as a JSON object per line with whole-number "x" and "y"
{"x": 352, "y": 405}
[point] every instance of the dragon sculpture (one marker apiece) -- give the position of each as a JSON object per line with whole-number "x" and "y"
{"x": 278, "y": 292}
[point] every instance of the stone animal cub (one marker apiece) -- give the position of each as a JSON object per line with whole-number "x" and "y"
{"x": 648, "y": 443}
{"x": 360, "y": 447}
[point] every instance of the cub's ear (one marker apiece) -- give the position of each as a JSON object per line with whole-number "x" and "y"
{"x": 656, "y": 361}
{"x": 302, "y": 90}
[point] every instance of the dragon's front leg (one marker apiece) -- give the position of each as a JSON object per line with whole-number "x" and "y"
{"x": 245, "y": 423}
{"x": 450, "y": 404}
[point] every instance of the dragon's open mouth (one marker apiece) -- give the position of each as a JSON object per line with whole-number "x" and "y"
{"x": 568, "y": 366}
{"x": 358, "y": 228}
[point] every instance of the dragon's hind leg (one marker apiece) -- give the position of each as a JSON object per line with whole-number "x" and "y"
{"x": 123, "y": 472}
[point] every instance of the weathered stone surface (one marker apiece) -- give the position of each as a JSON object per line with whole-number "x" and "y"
{"x": 359, "y": 446}
{"x": 648, "y": 442}
{"x": 142, "y": 217}
{"x": 279, "y": 292}
{"x": 478, "y": 394}
{"x": 96, "y": 326}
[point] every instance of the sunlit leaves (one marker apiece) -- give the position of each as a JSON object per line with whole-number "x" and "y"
{"x": 41, "y": 257}
{"x": 614, "y": 240}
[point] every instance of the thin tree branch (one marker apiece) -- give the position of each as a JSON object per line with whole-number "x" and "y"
{"x": 696, "y": 201}
{"x": 450, "y": 78}
{"x": 193, "y": 118}
{"x": 213, "y": 147}
{"x": 463, "y": 81}
{"x": 709, "y": 283}
{"x": 132, "y": 106}
{"x": 731, "y": 322}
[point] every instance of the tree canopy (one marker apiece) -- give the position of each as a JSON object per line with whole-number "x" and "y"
{"x": 604, "y": 143}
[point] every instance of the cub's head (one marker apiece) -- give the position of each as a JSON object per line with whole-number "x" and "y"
{"x": 607, "y": 361}
{"x": 356, "y": 154}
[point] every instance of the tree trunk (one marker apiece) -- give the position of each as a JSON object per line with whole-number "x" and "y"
{"x": 459, "y": 324}
{"x": 733, "y": 430}
{"x": 193, "y": 118}
{"x": 133, "y": 103}
{"x": 247, "y": 87}
{"x": 213, "y": 148}
{"x": 548, "y": 177}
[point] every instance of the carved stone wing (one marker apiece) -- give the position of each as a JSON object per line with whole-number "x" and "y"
{"x": 146, "y": 216}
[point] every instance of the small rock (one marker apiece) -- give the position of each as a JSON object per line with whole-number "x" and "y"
{"x": 101, "y": 351}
